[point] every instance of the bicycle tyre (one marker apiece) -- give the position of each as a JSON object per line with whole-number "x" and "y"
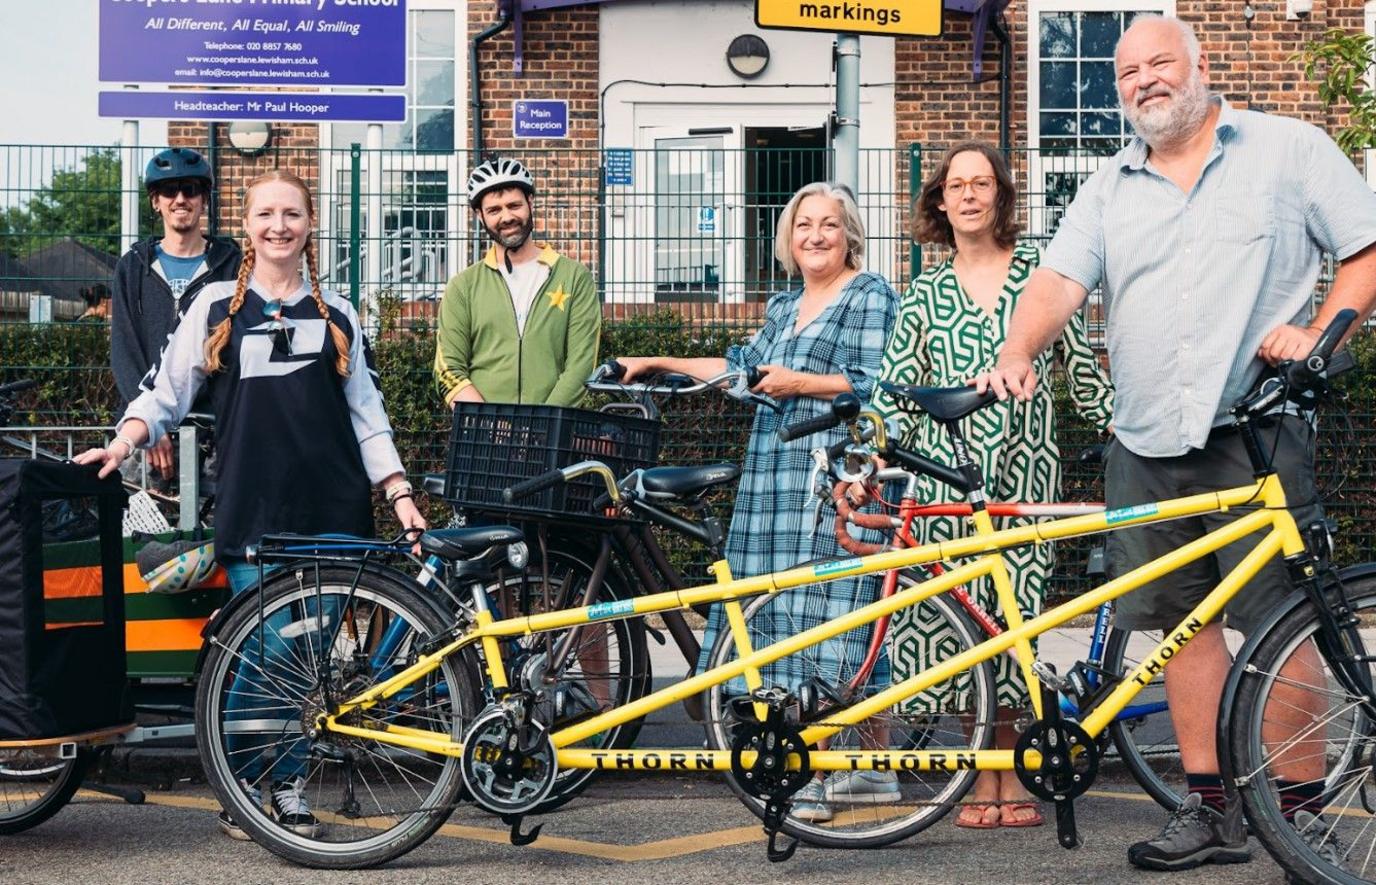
{"x": 1146, "y": 745}
{"x": 22, "y": 773}
{"x": 386, "y": 611}
{"x": 624, "y": 642}
{"x": 919, "y": 732}
{"x": 1250, "y": 761}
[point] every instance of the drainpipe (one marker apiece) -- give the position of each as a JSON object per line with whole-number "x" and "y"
{"x": 1005, "y": 82}
{"x": 475, "y": 104}
{"x": 212, "y": 203}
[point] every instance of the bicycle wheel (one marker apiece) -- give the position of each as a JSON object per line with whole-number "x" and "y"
{"x": 607, "y": 664}
{"x": 1302, "y": 748}
{"x": 34, "y": 785}
{"x": 1146, "y": 741}
{"x": 373, "y": 801}
{"x": 955, "y": 715}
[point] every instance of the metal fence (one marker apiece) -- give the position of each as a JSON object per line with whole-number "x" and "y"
{"x": 680, "y": 236}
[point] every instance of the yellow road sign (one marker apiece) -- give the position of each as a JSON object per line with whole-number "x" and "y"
{"x": 886, "y": 18}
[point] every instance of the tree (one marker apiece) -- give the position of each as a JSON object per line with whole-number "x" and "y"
{"x": 82, "y": 202}
{"x": 1340, "y": 62}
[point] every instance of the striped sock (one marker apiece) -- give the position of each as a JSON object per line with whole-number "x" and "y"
{"x": 1299, "y": 795}
{"x": 1209, "y": 787}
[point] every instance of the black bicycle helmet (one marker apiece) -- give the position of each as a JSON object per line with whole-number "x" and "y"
{"x": 495, "y": 174}
{"x": 177, "y": 163}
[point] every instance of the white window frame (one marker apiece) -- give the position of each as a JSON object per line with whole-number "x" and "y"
{"x": 336, "y": 161}
{"x": 1036, "y": 166}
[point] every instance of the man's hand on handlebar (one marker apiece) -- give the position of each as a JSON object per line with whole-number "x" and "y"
{"x": 1013, "y": 376}
{"x": 1288, "y": 343}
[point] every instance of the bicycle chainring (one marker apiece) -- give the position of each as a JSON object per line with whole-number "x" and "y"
{"x": 509, "y": 762}
{"x": 1069, "y": 760}
{"x": 768, "y": 776}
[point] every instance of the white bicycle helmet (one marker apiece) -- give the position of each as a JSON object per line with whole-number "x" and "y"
{"x": 176, "y": 567}
{"x": 500, "y": 173}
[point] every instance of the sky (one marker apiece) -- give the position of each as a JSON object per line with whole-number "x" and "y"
{"x": 48, "y": 87}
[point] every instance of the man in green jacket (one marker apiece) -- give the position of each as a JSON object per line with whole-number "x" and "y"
{"x": 522, "y": 325}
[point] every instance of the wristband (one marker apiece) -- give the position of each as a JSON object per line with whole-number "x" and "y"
{"x": 128, "y": 444}
{"x": 397, "y": 490}
{"x": 393, "y": 501}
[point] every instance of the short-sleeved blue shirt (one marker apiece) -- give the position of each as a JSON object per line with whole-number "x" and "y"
{"x": 1194, "y": 282}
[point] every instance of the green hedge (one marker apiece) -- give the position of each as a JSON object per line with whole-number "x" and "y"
{"x": 68, "y": 360}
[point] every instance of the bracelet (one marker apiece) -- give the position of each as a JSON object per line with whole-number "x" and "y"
{"x": 397, "y": 490}
{"x": 128, "y": 444}
{"x": 393, "y": 501}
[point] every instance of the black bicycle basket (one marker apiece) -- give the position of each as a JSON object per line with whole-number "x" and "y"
{"x": 496, "y": 445}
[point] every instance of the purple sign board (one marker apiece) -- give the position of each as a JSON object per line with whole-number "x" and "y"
{"x": 243, "y": 43}
{"x": 539, "y": 119}
{"x": 280, "y": 107}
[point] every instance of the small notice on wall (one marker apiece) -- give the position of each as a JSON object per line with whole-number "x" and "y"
{"x": 540, "y": 119}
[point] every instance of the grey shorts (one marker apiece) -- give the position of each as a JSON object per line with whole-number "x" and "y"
{"x": 1132, "y": 479}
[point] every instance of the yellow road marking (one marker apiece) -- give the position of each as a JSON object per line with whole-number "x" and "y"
{"x": 663, "y": 849}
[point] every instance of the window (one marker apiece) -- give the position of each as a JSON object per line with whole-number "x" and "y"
{"x": 429, "y": 124}
{"x": 1073, "y": 102}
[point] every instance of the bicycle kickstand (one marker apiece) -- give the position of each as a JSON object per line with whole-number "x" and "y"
{"x": 517, "y": 837}
{"x": 775, "y": 810}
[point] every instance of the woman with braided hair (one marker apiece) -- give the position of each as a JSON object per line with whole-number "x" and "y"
{"x": 301, "y": 431}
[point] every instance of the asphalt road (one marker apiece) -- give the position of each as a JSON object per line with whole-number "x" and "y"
{"x": 663, "y": 830}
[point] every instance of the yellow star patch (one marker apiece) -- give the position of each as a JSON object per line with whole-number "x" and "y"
{"x": 558, "y": 298}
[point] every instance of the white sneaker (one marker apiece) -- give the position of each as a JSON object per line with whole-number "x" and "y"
{"x": 863, "y": 786}
{"x": 809, "y": 803}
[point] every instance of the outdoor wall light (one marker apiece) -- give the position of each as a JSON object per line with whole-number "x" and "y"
{"x": 747, "y": 56}
{"x": 250, "y": 137}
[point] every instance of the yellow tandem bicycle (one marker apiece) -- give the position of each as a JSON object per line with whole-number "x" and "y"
{"x": 400, "y": 711}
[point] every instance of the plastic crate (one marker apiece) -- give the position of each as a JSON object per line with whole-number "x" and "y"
{"x": 495, "y": 445}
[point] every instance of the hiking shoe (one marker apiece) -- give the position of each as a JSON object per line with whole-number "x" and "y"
{"x": 1324, "y": 842}
{"x": 291, "y": 810}
{"x": 1193, "y": 835}
{"x": 230, "y": 826}
{"x": 810, "y": 803}
{"x": 863, "y": 786}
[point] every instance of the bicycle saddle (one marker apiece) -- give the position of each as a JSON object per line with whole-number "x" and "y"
{"x": 942, "y": 403}
{"x": 685, "y": 482}
{"x": 465, "y": 543}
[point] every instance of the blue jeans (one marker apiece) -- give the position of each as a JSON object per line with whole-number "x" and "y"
{"x": 282, "y": 669}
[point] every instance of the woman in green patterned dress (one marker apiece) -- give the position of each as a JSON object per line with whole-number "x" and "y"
{"x": 950, "y": 326}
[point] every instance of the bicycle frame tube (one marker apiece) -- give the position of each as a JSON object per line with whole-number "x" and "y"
{"x": 1282, "y": 537}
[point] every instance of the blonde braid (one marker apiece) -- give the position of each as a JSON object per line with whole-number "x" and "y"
{"x": 215, "y": 343}
{"x": 341, "y": 341}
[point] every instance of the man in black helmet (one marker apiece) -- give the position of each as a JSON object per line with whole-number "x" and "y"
{"x": 522, "y": 325}
{"x": 158, "y": 278}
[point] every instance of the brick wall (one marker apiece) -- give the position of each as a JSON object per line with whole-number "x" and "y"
{"x": 561, "y": 62}
{"x": 294, "y": 146}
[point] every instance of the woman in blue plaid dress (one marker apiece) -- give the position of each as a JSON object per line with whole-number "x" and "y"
{"x": 817, "y": 342}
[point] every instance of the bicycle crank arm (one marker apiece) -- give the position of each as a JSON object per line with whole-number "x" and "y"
{"x": 1066, "y": 833}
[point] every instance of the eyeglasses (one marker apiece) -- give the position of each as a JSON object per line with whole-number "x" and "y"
{"x": 191, "y": 187}
{"x": 982, "y": 184}
{"x": 281, "y": 337}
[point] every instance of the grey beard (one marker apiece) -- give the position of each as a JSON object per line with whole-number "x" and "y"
{"x": 1190, "y": 109}
{"x": 512, "y": 241}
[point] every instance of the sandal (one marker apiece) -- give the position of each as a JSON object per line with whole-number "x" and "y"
{"x": 981, "y": 822}
{"x": 1011, "y": 808}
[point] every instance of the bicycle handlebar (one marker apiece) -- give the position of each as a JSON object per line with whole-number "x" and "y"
{"x": 565, "y": 474}
{"x": 1311, "y": 370}
{"x": 736, "y": 383}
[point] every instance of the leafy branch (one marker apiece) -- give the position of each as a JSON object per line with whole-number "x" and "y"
{"x": 1340, "y": 62}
